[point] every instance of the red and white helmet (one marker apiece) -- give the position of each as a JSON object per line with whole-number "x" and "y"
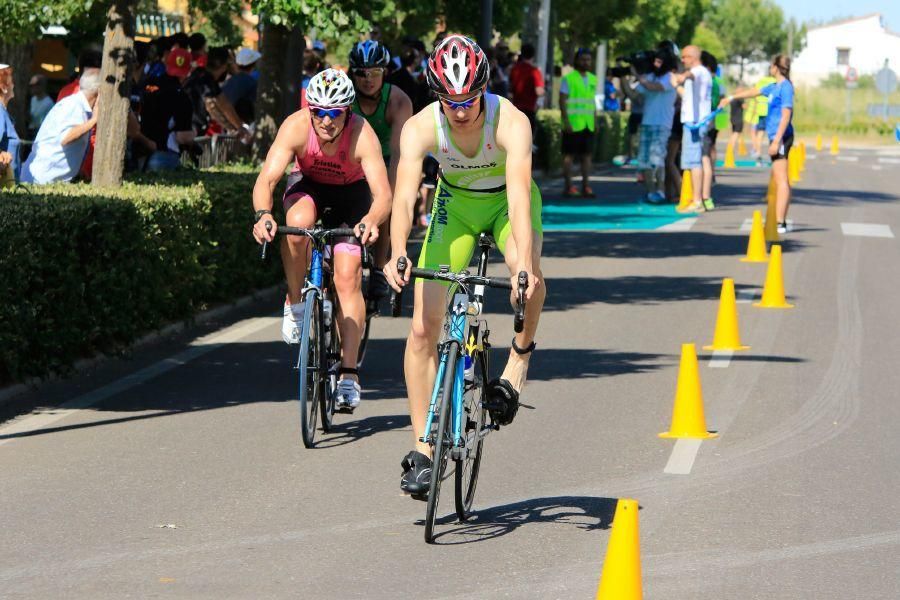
{"x": 457, "y": 66}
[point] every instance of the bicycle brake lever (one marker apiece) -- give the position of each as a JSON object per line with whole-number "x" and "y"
{"x": 265, "y": 243}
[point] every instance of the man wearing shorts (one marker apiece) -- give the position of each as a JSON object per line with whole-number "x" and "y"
{"x": 339, "y": 178}
{"x": 576, "y": 102}
{"x": 483, "y": 144}
{"x": 695, "y": 106}
{"x": 659, "y": 108}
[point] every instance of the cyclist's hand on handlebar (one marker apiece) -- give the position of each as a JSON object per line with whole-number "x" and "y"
{"x": 392, "y": 273}
{"x": 533, "y": 284}
{"x": 262, "y": 233}
{"x": 367, "y": 231}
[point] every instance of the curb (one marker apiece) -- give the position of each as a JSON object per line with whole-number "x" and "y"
{"x": 35, "y": 383}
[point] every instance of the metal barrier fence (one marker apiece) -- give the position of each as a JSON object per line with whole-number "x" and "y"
{"x": 215, "y": 150}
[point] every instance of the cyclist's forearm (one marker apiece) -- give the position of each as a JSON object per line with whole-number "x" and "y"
{"x": 520, "y": 222}
{"x": 262, "y": 193}
{"x": 401, "y": 224}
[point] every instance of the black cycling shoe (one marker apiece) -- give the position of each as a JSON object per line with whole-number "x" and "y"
{"x": 416, "y": 478}
{"x": 502, "y": 402}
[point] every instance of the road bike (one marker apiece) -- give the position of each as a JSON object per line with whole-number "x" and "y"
{"x": 458, "y": 417}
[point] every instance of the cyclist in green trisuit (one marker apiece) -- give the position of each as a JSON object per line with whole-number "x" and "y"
{"x": 483, "y": 144}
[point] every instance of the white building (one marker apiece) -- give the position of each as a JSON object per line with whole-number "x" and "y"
{"x": 862, "y": 43}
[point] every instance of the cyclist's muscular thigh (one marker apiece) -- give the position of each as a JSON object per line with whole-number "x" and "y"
{"x": 294, "y": 249}
{"x": 420, "y": 361}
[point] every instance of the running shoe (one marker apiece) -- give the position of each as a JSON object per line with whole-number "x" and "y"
{"x": 290, "y": 324}
{"x": 347, "y": 394}
{"x": 708, "y": 204}
{"x": 782, "y": 228}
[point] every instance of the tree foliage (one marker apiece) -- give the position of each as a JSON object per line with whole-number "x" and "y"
{"x": 707, "y": 39}
{"x": 21, "y": 20}
{"x": 749, "y": 29}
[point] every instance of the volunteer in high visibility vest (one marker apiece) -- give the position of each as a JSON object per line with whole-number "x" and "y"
{"x": 576, "y": 101}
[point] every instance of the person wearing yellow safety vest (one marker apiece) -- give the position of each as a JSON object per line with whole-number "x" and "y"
{"x": 576, "y": 101}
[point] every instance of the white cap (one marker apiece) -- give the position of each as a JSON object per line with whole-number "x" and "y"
{"x": 246, "y": 56}
{"x": 2, "y": 66}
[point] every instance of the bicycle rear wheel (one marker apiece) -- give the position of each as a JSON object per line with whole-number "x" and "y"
{"x": 309, "y": 367}
{"x": 331, "y": 363}
{"x": 442, "y": 443}
{"x": 474, "y": 417}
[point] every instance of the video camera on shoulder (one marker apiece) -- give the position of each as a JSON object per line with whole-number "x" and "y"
{"x": 643, "y": 61}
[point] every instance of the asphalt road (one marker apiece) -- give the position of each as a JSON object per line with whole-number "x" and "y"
{"x": 179, "y": 472}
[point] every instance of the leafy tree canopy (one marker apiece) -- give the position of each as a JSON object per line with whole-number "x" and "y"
{"x": 749, "y": 29}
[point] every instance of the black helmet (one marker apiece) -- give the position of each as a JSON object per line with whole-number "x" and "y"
{"x": 368, "y": 54}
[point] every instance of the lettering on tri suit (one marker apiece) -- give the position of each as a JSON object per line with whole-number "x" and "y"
{"x": 328, "y": 167}
{"x": 439, "y": 217}
{"x": 468, "y": 167}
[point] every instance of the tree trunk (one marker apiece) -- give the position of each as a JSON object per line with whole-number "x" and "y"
{"x": 18, "y": 56}
{"x": 114, "y": 104}
{"x": 270, "y": 92}
{"x": 292, "y": 73}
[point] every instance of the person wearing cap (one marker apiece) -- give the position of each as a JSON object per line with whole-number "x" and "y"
{"x": 63, "y": 139}
{"x": 240, "y": 89}
{"x": 39, "y": 105}
{"x": 9, "y": 139}
{"x": 166, "y": 113}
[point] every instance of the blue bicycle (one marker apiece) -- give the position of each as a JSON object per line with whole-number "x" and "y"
{"x": 319, "y": 358}
{"x": 458, "y": 414}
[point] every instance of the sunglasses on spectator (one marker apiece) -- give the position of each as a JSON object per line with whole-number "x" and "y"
{"x": 321, "y": 113}
{"x": 368, "y": 73}
{"x": 462, "y": 104}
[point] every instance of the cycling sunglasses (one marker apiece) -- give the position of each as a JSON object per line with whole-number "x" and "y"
{"x": 370, "y": 73}
{"x": 321, "y": 113}
{"x": 461, "y": 105}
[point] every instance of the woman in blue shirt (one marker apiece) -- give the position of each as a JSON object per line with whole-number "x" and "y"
{"x": 9, "y": 139}
{"x": 778, "y": 128}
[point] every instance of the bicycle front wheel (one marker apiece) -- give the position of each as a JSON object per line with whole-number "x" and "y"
{"x": 474, "y": 417}
{"x": 443, "y": 441}
{"x": 309, "y": 367}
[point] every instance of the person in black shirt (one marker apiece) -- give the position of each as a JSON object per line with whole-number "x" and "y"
{"x": 202, "y": 87}
{"x": 166, "y": 112}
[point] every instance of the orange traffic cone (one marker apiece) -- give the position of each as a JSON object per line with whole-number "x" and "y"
{"x": 773, "y": 292}
{"x": 756, "y": 247}
{"x": 688, "y": 420}
{"x": 742, "y": 147}
{"x": 771, "y": 228}
{"x": 687, "y": 191}
{"x": 727, "y": 336}
{"x": 729, "y": 157}
{"x": 621, "y": 577}
{"x": 819, "y": 142}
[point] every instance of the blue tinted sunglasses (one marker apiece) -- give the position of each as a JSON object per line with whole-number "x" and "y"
{"x": 321, "y": 113}
{"x": 464, "y": 104}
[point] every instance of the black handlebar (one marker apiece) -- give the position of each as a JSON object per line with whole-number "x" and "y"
{"x": 466, "y": 278}
{"x": 310, "y": 233}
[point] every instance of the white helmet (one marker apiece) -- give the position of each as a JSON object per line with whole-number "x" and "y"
{"x": 330, "y": 89}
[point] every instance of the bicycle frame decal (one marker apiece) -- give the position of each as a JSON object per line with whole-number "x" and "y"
{"x": 315, "y": 268}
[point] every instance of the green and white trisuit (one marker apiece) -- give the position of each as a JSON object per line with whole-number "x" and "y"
{"x": 471, "y": 195}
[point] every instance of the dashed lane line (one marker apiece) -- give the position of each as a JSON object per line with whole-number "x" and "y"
{"x": 684, "y": 453}
{"x": 867, "y": 230}
{"x": 720, "y": 359}
{"x": 680, "y": 225}
{"x": 848, "y": 158}
{"x": 199, "y": 347}
{"x": 889, "y": 161}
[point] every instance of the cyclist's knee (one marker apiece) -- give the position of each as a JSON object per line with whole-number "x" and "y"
{"x": 425, "y": 330}
{"x": 347, "y": 279}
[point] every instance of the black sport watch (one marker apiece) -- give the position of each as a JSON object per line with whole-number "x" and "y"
{"x": 260, "y": 213}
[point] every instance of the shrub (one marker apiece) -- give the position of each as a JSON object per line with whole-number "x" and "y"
{"x": 609, "y": 140}
{"x": 90, "y": 270}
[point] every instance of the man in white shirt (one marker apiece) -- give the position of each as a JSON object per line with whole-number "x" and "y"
{"x": 696, "y": 103}
{"x": 64, "y": 136}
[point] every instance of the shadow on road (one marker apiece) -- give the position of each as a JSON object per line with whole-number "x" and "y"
{"x": 572, "y": 363}
{"x": 571, "y": 292}
{"x": 347, "y": 432}
{"x": 587, "y": 513}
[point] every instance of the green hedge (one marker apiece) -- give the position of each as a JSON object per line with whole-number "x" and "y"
{"x": 609, "y": 141}
{"x": 88, "y": 271}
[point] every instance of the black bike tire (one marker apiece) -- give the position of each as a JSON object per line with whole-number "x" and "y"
{"x": 328, "y": 390}
{"x": 310, "y": 386}
{"x": 467, "y": 469}
{"x": 441, "y": 452}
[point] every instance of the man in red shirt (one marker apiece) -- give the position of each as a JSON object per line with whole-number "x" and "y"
{"x": 526, "y": 84}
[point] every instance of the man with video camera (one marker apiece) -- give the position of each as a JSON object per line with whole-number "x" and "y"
{"x": 651, "y": 77}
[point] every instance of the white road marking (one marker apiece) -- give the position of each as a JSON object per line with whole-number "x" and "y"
{"x": 867, "y": 230}
{"x": 746, "y": 296}
{"x": 684, "y": 453}
{"x": 889, "y": 161}
{"x": 720, "y": 359}
{"x": 848, "y": 158}
{"x": 199, "y": 347}
{"x": 747, "y": 225}
{"x": 811, "y": 157}
{"x": 680, "y": 225}
{"x": 877, "y": 167}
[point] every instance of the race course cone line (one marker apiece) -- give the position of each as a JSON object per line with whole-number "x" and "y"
{"x": 742, "y": 147}
{"x": 727, "y": 336}
{"x": 771, "y": 227}
{"x": 834, "y": 146}
{"x": 793, "y": 166}
{"x": 802, "y": 157}
{"x": 756, "y": 247}
{"x": 819, "y": 142}
{"x": 688, "y": 420}
{"x": 621, "y": 576}
{"x": 729, "y": 157}
{"x": 687, "y": 191}
{"x": 773, "y": 292}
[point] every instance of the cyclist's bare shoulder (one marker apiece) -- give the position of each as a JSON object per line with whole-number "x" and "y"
{"x": 294, "y": 131}
{"x": 513, "y": 127}
{"x": 418, "y": 137}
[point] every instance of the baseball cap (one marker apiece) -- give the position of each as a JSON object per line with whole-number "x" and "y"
{"x": 246, "y": 56}
{"x": 178, "y": 63}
